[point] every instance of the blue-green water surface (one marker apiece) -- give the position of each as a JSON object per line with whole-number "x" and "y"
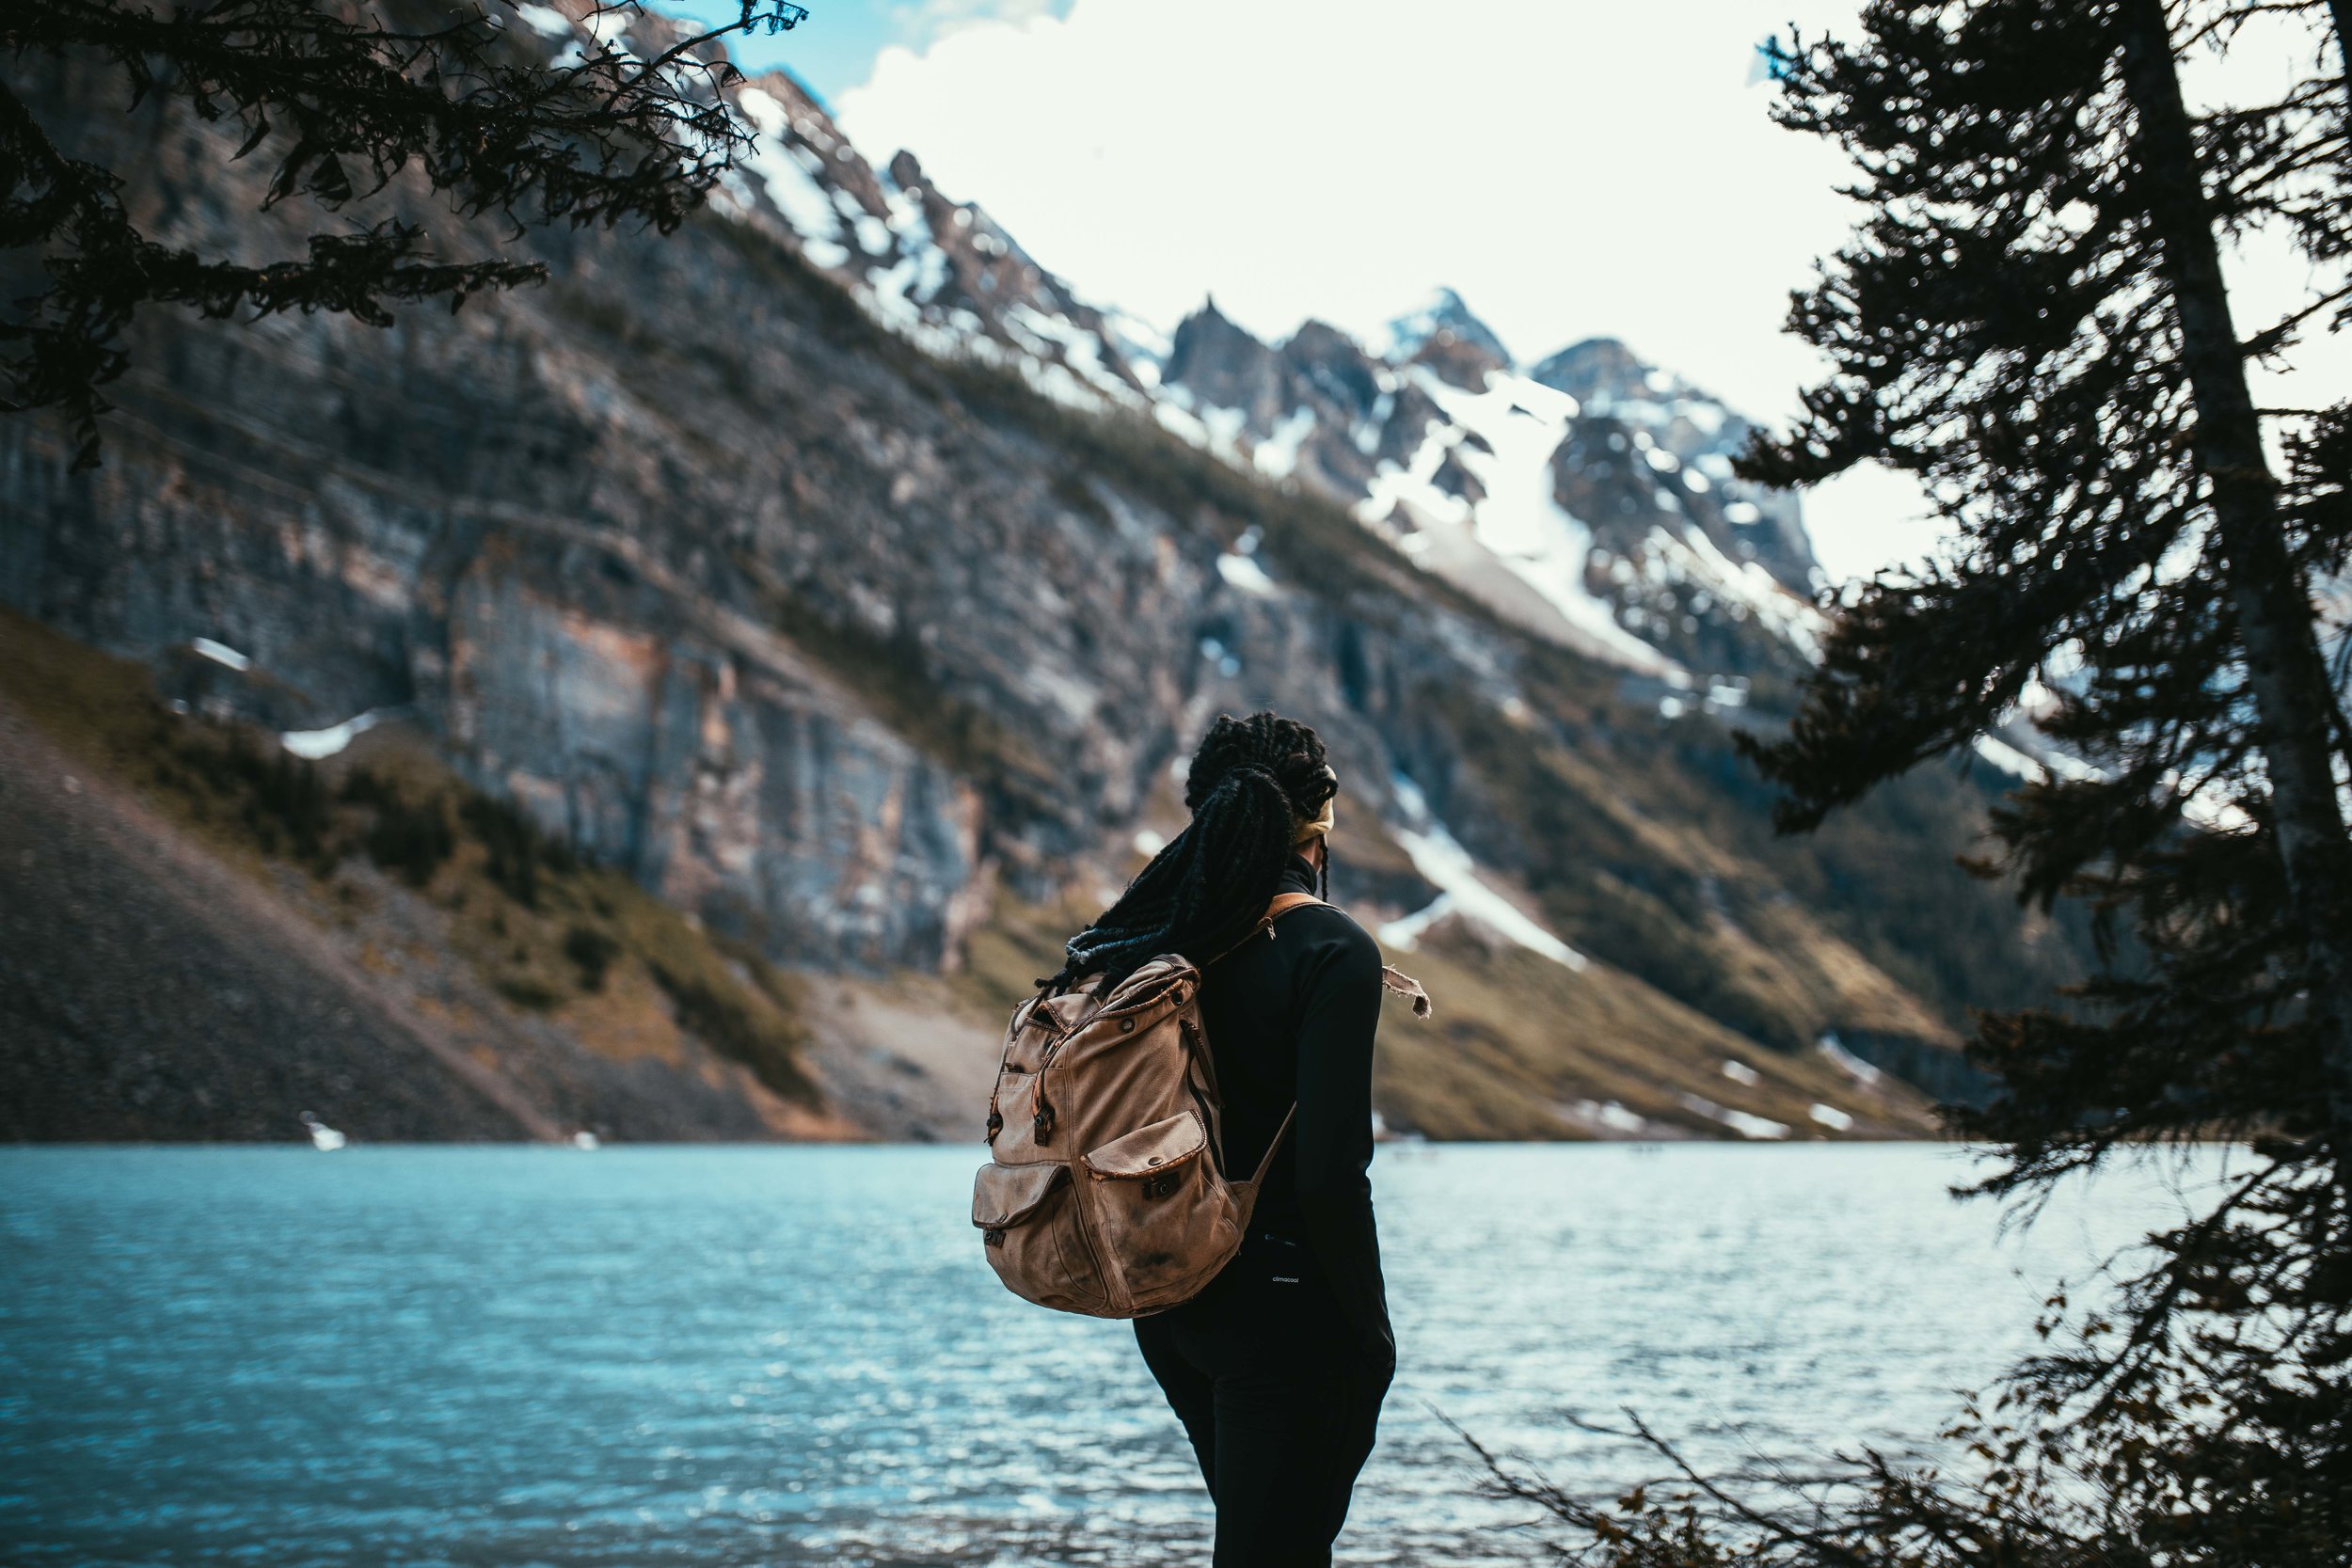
{"x": 719, "y": 1357}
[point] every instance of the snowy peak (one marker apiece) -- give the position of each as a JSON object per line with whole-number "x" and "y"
{"x": 1592, "y": 501}
{"x": 1601, "y": 371}
{"x": 1318, "y": 410}
{"x": 940, "y": 272}
{"x": 1648, "y": 441}
{"x": 1443, "y": 315}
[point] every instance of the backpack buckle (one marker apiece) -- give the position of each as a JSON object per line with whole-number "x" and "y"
{"x": 1042, "y": 1124}
{"x": 993, "y": 1238}
{"x": 995, "y": 1124}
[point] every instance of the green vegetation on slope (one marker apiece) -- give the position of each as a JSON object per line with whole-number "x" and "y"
{"x": 1521, "y": 1047}
{"x": 1650, "y": 845}
{"x": 1518, "y": 1046}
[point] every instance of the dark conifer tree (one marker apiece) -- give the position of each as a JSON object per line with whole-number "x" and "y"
{"x": 343, "y": 98}
{"x": 2034, "y": 320}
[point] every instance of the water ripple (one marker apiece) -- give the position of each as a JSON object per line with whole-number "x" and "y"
{"x": 721, "y": 1357}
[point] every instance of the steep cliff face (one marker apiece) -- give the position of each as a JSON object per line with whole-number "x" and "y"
{"x": 702, "y": 565}
{"x": 834, "y": 571}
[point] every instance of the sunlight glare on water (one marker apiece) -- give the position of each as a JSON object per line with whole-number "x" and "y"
{"x": 724, "y": 1356}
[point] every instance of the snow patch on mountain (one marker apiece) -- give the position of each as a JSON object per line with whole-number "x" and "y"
{"x": 546, "y": 21}
{"x": 1243, "y": 572}
{"x": 1606, "y": 1118}
{"x": 317, "y": 745}
{"x": 1277, "y": 454}
{"x": 221, "y": 652}
{"x": 1447, "y": 866}
{"x": 789, "y": 185}
{"x": 1520, "y": 424}
{"x": 1442, "y": 311}
{"x": 1861, "y": 1072}
{"x": 1746, "y": 1124}
{"x": 2034, "y": 767}
{"x": 1413, "y": 486}
{"x": 1688, "y": 557}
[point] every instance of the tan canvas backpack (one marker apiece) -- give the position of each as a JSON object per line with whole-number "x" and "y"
{"x": 1105, "y": 1193}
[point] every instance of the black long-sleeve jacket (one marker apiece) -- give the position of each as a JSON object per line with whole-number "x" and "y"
{"x": 1292, "y": 1016}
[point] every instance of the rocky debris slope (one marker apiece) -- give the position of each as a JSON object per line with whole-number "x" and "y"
{"x": 833, "y": 572}
{"x": 145, "y": 996}
{"x": 202, "y": 940}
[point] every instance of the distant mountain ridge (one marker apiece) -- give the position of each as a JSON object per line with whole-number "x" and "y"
{"x": 1590, "y": 500}
{"x": 1620, "y": 532}
{"x": 839, "y": 576}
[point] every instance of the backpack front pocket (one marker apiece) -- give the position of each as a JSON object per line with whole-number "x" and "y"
{"x": 1035, "y": 1236}
{"x": 1163, "y": 1217}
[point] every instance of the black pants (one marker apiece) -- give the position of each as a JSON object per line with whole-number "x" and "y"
{"x": 1277, "y": 1399}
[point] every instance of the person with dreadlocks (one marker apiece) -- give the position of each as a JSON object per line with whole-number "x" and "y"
{"x": 1277, "y": 1368}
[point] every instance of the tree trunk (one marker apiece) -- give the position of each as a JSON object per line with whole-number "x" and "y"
{"x": 2342, "y": 11}
{"x": 2285, "y": 672}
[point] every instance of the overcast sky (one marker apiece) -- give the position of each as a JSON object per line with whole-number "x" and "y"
{"x": 1573, "y": 170}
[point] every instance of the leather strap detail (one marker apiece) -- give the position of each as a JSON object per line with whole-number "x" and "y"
{"x": 1267, "y": 1163}
{"x": 1283, "y": 903}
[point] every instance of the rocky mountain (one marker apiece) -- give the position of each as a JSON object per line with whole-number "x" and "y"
{"x": 753, "y": 651}
{"x": 1589, "y": 499}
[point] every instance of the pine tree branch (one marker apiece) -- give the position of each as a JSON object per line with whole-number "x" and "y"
{"x": 480, "y": 115}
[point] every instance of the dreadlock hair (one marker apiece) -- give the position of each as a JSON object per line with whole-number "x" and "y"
{"x": 1252, "y": 781}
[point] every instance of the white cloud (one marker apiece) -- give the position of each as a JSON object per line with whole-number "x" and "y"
{"x": 1573, "y": 170}
{"x": 920, "y": 23}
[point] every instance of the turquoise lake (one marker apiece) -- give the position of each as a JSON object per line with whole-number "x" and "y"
{"x": 506, "y": 1356}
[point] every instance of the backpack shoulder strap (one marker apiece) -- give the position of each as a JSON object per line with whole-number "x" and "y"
{"x": 1257, "y": 1178}
{"x": 1283, "y": 903}
{"x": 1390, "y": 979}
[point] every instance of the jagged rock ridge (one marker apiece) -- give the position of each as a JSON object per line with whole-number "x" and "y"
{"x": 1590, "y": 500}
